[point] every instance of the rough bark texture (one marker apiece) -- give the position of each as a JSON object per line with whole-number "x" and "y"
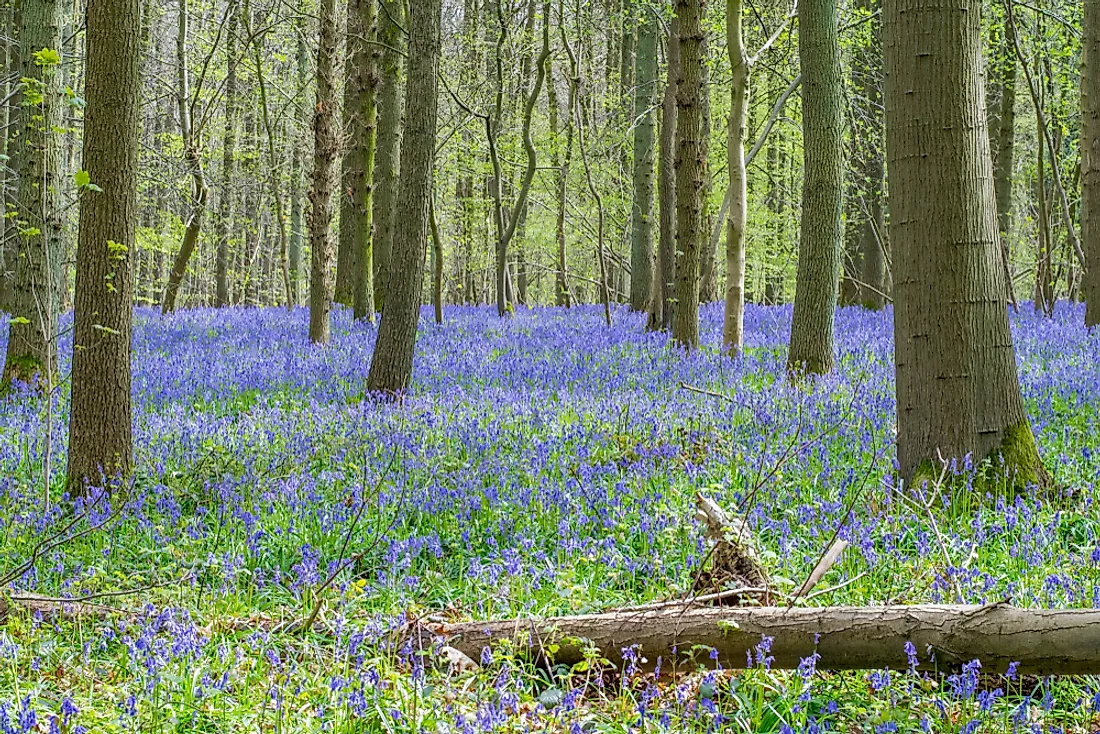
{"x": 100, "y": 431}
{"x": 821, "y": 236}
{"x": 229, "y": 164}
{"x": 641, "y": 225}
{"x": 35, "y": 294}
{"x": 1005, "y": 132}
{"x": 661, "y": 306}
{"x": 390, "y": 108}
{"x": 1041, "y": 641}
{"x": 733, "y": 328}
{"x": 691, "y": 171}
{"x": 355, "y": 256}
{"x": 326, "y": 146}
{"x": 957, "y": 390}
{"x": 9, "y": 55}
{"x": 391, "y": 364}
{"x": 1090, "y": 159}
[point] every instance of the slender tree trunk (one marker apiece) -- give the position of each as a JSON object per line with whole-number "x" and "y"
{"x": 326, "y": 142}
{"x": 958, "y": 394}
{"x": 35, "y": 296}
{"x": 645, "y": 95}
{"x": 660, "y": 310}
{"x": 1090, "y": 159}
{"x": 200, "y": 191}
{"x": 819, "y": 249}
{"x": 298, "y": 145}
{"x": 561, "y": 163}
{"x": 355, "y": 258}
{"x": 229, "y": 162}
{"x": 391, "y": 364}
{"x": 100, "y": 431}
{"x": 390, "y": 105}
{"x": 708, "y": 256}
{"x": 1004, "y": 139}
{"x": 733, "y": 331}
{"x": 437, "y": 264}
{"x": 871, "y": 216}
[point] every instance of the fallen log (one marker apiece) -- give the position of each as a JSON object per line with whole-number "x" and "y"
{"x": 1039, "y": 641}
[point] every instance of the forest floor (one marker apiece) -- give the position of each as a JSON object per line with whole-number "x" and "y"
{"x": 541, "y": 465}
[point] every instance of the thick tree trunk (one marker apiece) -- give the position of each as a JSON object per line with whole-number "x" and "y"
{"x": 691, "y": 171}
{"x": 391, "y": 36}
{"x": 9, "y": 55}
{"x": 1090, "y": 159}
{"x": 641, "y": 226}
{"x": 391, "y": 364}
{"x": 733, "y": 328}
{"x": 958, "y": 394}
{"x": 661, "y": 306}
{"x": 326, "y": 145}
{"x": 355, "y": 257}
{"x": 35, "y": 295}
{"x": 100, "y": 430}
{"x": 1038, "y": 641}
{"x": 229, "y": 163}
{"x": 821, "y": 237}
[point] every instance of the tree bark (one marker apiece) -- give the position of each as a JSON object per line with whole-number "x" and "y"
{"x": 1090, "y": 159}
{"x": 298, "y": 145}
{"x": 391, "y": 364}
{"x": 958, "y": 394}
{"x": 1040, "y": 641}
{"x": 733, "y": 328}
{"x": 561, "y": 163}
{"x": 229, "y": 163}
{"x": 661, "y": 306}
{"x": 326, "y": 145}
{"x": 390, "y": 110}
{"x": 641, "y": 230}
{"x": 9, "y": 54}
{"x": 821, "y": 237}
{"x": 100, "y": 430}
{"x": 35, "y": 295}
{"x": 355, "y": 257}
{"x": 691, "y": 171}
{"x": 1004, "y": 153}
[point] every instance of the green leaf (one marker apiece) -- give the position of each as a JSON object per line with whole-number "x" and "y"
{"x": 20, "y": 320}
{"x": 82, "y": 178}
{"x": 47, "y": 57}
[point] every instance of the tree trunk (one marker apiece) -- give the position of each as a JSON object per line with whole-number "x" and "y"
{"x": 391, "y": 37}
{"x": 35, "y": 295}
{"x": 871, "y": 215}
{"x": 660, "y": 309}
{"x": 645, "y": 95}
{"x": 708, "y": 252}
{"x": 733, "y": 328}
{"x": 326, "y": 142}
{"x": 1090, "y": 159}
{"x": 229, "y": 162}
{"x": 958, "y": 394}
{"x": 819, "y": 247}
{"x": 100, "y": 430}
{"x": 1004, "y": 153}
{"x": 391, "y": 364}
{"x": 298, "y": 145}
{"x": 1036, "y": 641}
{"x": 199, "y": 190}
{"x": 561, "y": 164}
{"x": 9, "y": 54}
{"x": 355, "y": 258}
{"x": 691, "y": 171}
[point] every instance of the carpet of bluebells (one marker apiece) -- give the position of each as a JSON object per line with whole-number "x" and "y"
{"x": 541, "y": 465}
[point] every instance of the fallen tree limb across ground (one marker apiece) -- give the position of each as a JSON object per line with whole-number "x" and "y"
{"x": 1040, "y": 641}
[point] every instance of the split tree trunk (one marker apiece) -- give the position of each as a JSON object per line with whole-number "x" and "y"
{"x": 958, "y": 394}
{"x": 641, "y": 229}
{"x": 1090, "y": 159}
{"x": 1041, "y": 641}
{"x": 391, "y": 364}
{"x": 819, "y": 248}
{"x": 100, "y": 429}
{"x": 691, "y": 171}
{"x": 326, "y": 145}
